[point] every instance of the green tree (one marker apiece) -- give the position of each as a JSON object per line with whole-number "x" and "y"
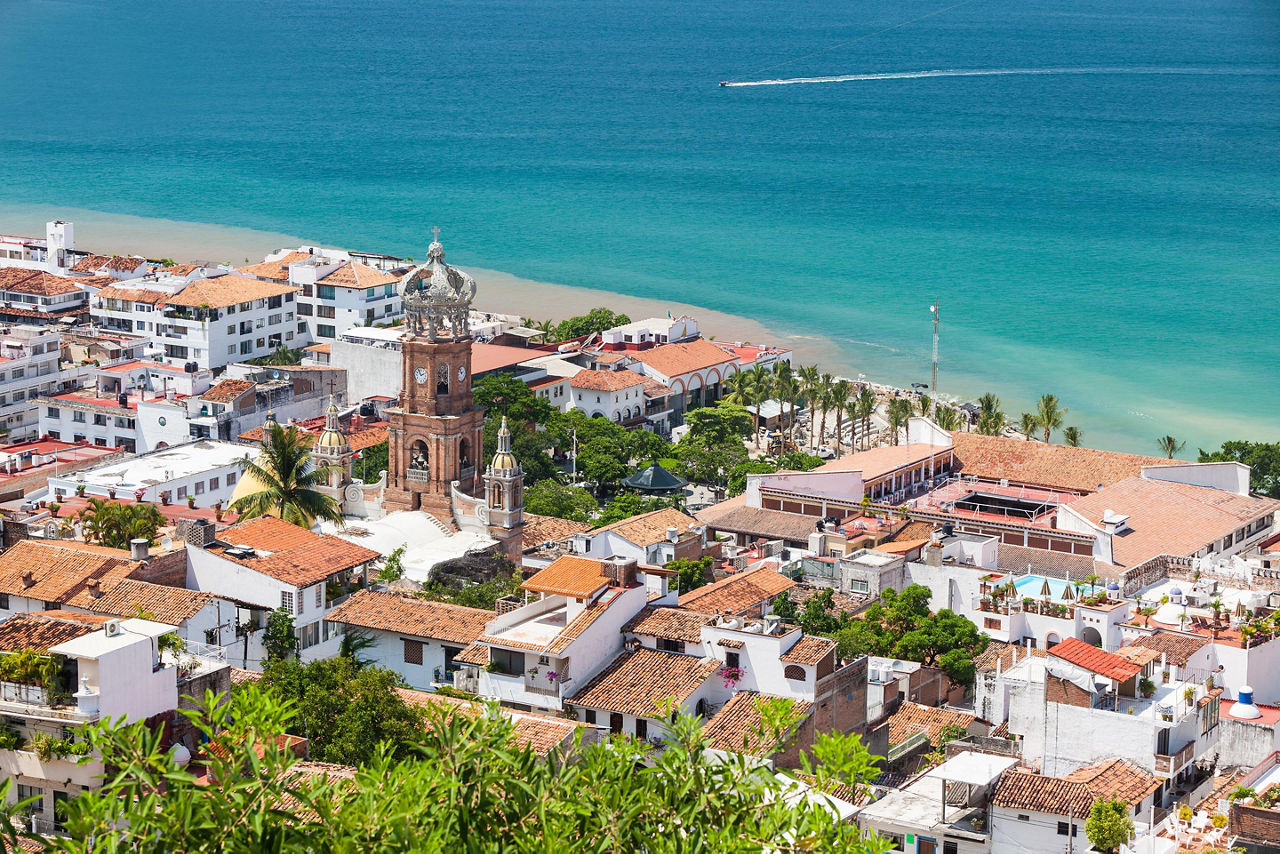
{"x": 709, "y": 464}
{"x": 604, "y": 461}
{"x": 1108, "y": 825}
{"x": 468, "y": 787}
{"x": 867, "y": 404}
{"x": 839, "y": 404}
{"x": 111, "y": 524}
{"x": 990, "y": 419}
{"x": 824, "y": 397}
{"x": 344, "y": 710}
{"x": 1071, "y": 436}
{"x": 288, "y": 481}
{"x": 278, "y": 638}
{"x": 1262, "y": 458}
{"x": 736, "y": 481}
{"x": 596, "y": 320}
{"x": 798, "y": 461}
{"x": 1051, "y": 414}
{"x": 392, "y": 568}
{"x": 550, "y": 498}
{"x": 841, "y": 759}
{"x": 1028, "y": 425}
{"x": 948, "y": 418}
{"x": 760, "y": 390}
{"x": 1169, "y": 446}
{"x": 717, "y": 425}
{"x": 690, "y": 574}
{"x": 502, "y": 394}
{"x": 629, "y": 504}
{"x": 372, "y": 463}
{"x": 280, "y": 356}
{"x": 900, "y": 413}
{"x": 444, "y": 586}
{"x": 354, "y": 643}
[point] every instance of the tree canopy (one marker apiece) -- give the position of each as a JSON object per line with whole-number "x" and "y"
{"x": 467, "y": 787}
{"x": 112, "y": 524}
{"x": 1108, "y": 825}
{"x": 1263, "y": 459}
{"x": 596, "y": 320}
{"x": 287, "y": 480}
{"x": 690, "y": 574}
{"x": 551, "y": 498}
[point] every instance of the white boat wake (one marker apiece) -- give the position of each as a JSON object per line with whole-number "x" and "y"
{"x": 993, "y": 72}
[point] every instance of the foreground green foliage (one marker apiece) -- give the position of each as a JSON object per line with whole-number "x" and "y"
{"x": 1108, "y": 825}
{"x": 467, "y": 787}
{"x": 551, "y": 498}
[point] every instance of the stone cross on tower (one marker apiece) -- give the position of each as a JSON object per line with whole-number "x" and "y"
{"x": 435, "y": 234}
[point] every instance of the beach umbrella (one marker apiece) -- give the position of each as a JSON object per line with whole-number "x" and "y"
{"x": 1045, "y": 589}
{"x": 1067, "y": 593}
{"x": 1240, "y": 612}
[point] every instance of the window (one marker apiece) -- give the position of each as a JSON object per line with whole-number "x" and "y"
{"x": 246, "y": 306}
{"x": 324, "y": 330}
{"x": 591, "y": 716}
{"x": 511, "y": 663}
{"x": 319, "y": 595}
{"x": 325, "y": 291}
{"x": 642, "y": 728}
{"x": 182, "y": 492}
{"x": 286, "y": 600}
{"x": 1065, "y": 829}
{"x": 328, "y": 312}
{"x": 304, "y": 309}
{"x": 668, "y": 645}
{"x": 309, "y": 636}
{"x": 200, "y": 487}
{"x": 793, "y": 671}
{"x": 52, "y": 606}
{"x": 231, "y": 349}
{"x": 4, "y": 601}
{"x": 731, "y": 659}
{"x": 213, "y": 483}
{"x": 1024, "y": 818}
{"x": 371, "y": 293}
{"x": 231, "y": 329}
{"x": 231, "y": 479}
{"x": 53, "y": 412}
{"x": 273, "y": 320}
{"x": 858, "y": 585}
{"x": 894, "y": 840}
{"x": 77, "y": 417}
{"x": 412, "y": 651}
{"x": 25, "y": 792}
{"x": 615, "y": 723}
{"x": 950, "y": 847}
{"x": 18, "y": 374}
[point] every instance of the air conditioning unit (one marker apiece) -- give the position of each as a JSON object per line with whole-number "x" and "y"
{"x": 112, "y": 628}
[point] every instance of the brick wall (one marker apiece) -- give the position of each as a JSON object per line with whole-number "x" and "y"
{"x": 169, "y": 569}
{"x": 1255, "y": 824}
{"x": 841, "y": 699}
{"x": 1068, "y": 693}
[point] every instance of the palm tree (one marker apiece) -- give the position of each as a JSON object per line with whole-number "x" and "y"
{"x": 1169, "y": 445}
{"x": 810, "y": 384}
{"x": 288, "y": 481}
{"x": 826, "y": 388}
{"x": 990, "y": 419}
{"x": 737, "y": 389}
{"x": 761, "y": 385}
{"x": 546, "y": 327}
{"x": 866, "y": 408}
{"x": 1051, "y": 414}
{"x": 787, "y": 387}
{"x": 1028, "y": 425}
{"x": 1146, "y": 612}
{"x": 948, "y": 419}
{"x": 838, "y": 399}
{"x": 899, "y": 414}
{"x": 1072, "y": 435}
{"x": 922, "y": 404}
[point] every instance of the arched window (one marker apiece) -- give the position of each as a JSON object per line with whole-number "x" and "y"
{"x": 442, "y": 378}
{"x": 794, "y": 671}
{"x": 418, "y": 458}
{"x": 464, "y": 453}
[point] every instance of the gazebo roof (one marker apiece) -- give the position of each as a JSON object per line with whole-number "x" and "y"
{"x": 654, "y": 478}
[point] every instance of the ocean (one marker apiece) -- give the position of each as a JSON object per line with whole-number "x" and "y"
{"x": 1104, "y": 229}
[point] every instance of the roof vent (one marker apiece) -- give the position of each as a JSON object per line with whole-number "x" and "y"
{"x": 1114, "y": 523}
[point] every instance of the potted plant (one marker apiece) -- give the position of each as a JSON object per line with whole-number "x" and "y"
{"x": 1146, "y": 686}
{"x": 111, "y": 493}
{"x": 191, "y": 501}
{"x": 1189, "y": 695}
{"x": 137, "y": 495}
{"x": 80, "y": 487}
{"x": 54, "y": 507}
{"x": 165, "y": 496}
{"x": 731, "y": 675}
{"x": 217, "y": 511}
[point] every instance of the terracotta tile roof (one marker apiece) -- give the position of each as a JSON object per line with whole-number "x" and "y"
{"x": 57, "y": 573}
{"x": 878, "y": 462}
{"x": 672, "y": 360}
{"x": 97, "y": 281}
{"x": 353, "y": 274}
{"x": 91, "y": 263}
{"x": 222, "y": 291}
{"x": 1169, "y": 518}
{"x": 637, "y": 681}
{"x": 228, "y": 390}
{"x": 179, "y": 269}
{"x": 810, "y": 649}
{"x": 277, "y": 269}
{"x": 319, "y": 348}
{"x": 292, "y": 554}
{"x": 582, "y": 622}
{"x": 243, "y": 677}
{"x": 575, "y": 577}
{"x": 539, "y": 733}
{"x": 1075, "y": 793}
{"x": 46, "y": 285}
{"x": 42, "y": 629}
{"x": 1038, "y": 464}
{"x": 737, "y": 593}
{"x": 474, "y": 653}
{"x": 1095, "y": 660}
{"x": 1177, "y": 648}
{"x": 605, "y": 380}
{"x": 128, "y": 597}
{"x": 125, "y": 263}
{"x": 912, "y": 718}
{"x": 406, "y": 615}
{"x": 1011, "y": 558}
{"x": 1139, "y": 655}
{"x": 735, "y": 517}
{"x": 143, "y": 295}
{"x": 648, "y": 529}
{"x": 730, "y": 644}
{"x": 1004, "y": 653}
{"x": 549, "y": 529}
{"x": 653, "y": 388}
{"x": 675, "y": 624}
{"x": 735, "y": 728}
{"x": 490, "y": 357}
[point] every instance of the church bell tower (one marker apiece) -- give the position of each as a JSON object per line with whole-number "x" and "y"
{"x": 436, "y": 431}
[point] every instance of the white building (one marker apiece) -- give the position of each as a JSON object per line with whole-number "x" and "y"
{"x": 266, "y": 564}
{"x": 615, "y": 395}
{"x": 202, "y": 474}
{"x": 336, "y": 292}
{"x": 113, "y": 669}
{"x": 32, "y": 296}
{"x": 30, "y": 366}
{"x": 653, "y": 539}
{"x": 650, "y": 332}
{"x": 413, "y": 637}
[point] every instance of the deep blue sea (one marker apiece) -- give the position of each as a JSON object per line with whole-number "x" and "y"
{"x": 1108, "y": 237}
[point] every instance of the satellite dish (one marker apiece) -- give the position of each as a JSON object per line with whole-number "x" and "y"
{"x": 166, "y": 543}
{"x": 275, "y": 375}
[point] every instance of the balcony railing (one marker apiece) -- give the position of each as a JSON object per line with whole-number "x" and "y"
{"x": 418, "y": 475}
{"x": 1168, "y": 766}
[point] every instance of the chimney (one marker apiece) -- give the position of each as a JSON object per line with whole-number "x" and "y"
{"x": 620, "y": 571}
{"x": 673, "y": 535}
{"x": 933, "y": 555}
{"x": 196, "y": 532}
{"x": 95, "y": 588}
{"x": 139, "y": 549}
{"x": 28, "y": 578}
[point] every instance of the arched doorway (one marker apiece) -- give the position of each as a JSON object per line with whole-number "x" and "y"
{"x": 1052, "y": 640}
{"x": 1091, "y": 636}
{"x": 464, "y": 453}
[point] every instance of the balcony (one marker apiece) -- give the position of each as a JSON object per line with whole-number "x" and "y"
{"x": 418, "y": 475}
{"x": 1169, "y": 766}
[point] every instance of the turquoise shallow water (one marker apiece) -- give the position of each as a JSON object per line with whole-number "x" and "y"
{"x": 1109, "y": 237}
